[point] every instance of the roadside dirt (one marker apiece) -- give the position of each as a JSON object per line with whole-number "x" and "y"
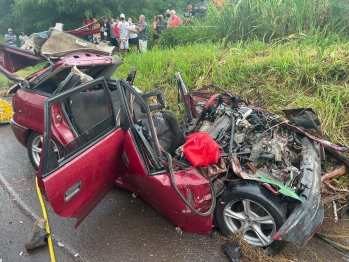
{"x": 3, "y": 90}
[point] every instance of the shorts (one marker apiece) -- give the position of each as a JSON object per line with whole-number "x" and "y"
{"x": 143, "y": 45}
{"x": 156, "y": 37}
{"x": 96, "y": 39}
{"x": 133, "y": 41}
{"x": 114, "y": 41}
{"x": 123, "y": 44}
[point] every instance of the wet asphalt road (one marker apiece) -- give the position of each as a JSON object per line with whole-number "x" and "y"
{"x": 121, "y": 228}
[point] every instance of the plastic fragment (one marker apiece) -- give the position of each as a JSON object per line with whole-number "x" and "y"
{"x": 38, "y": 235}
{"x": 21, "y": 253}
{"x": 179, "y": 230}
{"x": 232, "y": 250}
{"x": 76, "y": 255}
{"x": 60, "y": 244}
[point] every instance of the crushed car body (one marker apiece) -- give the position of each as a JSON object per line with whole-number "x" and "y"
{"x": 227, "y": 163}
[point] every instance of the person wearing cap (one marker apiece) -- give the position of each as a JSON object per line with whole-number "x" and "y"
{"x": 22, "y": 38}
{"x": 10, "y": 38}
{"x": 142, "y": 34}
{"x": 105, "y": 30}
{"x": 123, "y": 40}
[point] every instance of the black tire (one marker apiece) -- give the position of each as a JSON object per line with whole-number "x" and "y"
{"x": 34, "y": 147}
{"x": 231, "y": 215}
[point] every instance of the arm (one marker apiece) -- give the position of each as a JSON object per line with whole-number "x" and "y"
{"x": 8, "y": 38}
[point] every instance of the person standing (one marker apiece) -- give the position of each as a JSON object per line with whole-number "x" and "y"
{"x": 202, "y": 8}
{"x": 105, "y": 30}
{"x": 155, "y": 31}
{"x": 113, "y": 37}
{"x": 87, "y": 25}
{"x": 189, "y": 14}
{"x": 10, "y": 38}
{"x": 161, "y": 25}
{"x": 123, "y": 41}
{"x": 96, "y": 38}
{"x": 142, "y": 34}
{"x": 132, "y": 35}
{"x": 167, "y": 15}
{"x": 174, "y": 20}
{"x": 22, "y": 38}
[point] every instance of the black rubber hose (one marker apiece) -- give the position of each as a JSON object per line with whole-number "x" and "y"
{"x": 231, "y": 141}
{"x": 213, "y": 205}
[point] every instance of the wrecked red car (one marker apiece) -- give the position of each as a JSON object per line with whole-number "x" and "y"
{"x": 266, "y": 182}
{"x": 31, "y": 92}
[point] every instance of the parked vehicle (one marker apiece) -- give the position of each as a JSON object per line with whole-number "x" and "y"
{"x": 266, "y": 183}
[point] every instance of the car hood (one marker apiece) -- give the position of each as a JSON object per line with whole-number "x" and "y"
{"x": 55, "y": 43}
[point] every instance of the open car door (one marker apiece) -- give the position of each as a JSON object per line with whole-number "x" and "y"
{"x": 76, "y": 183}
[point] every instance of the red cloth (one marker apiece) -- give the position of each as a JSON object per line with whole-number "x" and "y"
{"x": 201, "y": 150}
{"x": 83, "y": 31}
{"x": 116, "y": 31}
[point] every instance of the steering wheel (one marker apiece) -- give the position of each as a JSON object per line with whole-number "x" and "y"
{"x": 208, "y": 104}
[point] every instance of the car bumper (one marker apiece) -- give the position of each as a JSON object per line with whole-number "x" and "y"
{"x": 307, "y": 217}
{"x": 21, "y": 132}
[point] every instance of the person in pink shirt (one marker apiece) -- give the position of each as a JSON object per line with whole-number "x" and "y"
{"x": 174, "y": 20}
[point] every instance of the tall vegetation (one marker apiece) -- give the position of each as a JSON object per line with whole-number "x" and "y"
{"x": 267, "y": 20}
{"x": 39, "y": 15}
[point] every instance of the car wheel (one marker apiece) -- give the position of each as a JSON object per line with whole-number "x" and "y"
{"x": 252, "y": 210}
{"x": 34, "y": 148}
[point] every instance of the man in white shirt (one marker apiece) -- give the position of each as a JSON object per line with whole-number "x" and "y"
{"x": 123, "y": 41}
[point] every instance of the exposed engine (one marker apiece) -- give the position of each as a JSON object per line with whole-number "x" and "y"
{"x": 262, "y": 146}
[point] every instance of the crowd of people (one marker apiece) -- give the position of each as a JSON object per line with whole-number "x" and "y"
{"x": 125, "y": 34}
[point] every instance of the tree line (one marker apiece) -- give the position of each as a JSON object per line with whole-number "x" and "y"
{"x": 39, "y": 15}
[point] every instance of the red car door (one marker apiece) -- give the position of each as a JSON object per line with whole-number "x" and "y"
{"x": 75, "y": 184}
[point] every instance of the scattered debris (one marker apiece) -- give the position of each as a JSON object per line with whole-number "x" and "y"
{"x": 134, "y": 195}
{"x": 232, "y": 250}
{"x": 20, "y": 254}
{"x": 76, "y": 255}
{"x": 60, "y": 244}
{"x": 38, "y": 235}
{"x": 179, "y": 230}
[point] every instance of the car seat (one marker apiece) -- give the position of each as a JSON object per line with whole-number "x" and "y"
{"x": 167, "y": 128}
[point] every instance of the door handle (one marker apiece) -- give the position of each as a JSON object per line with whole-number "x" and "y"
{"x": 73, "y": 190}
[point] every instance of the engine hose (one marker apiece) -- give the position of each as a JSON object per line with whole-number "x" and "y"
{"x": 213, "y": 205}
{"x": 231, "y": 134}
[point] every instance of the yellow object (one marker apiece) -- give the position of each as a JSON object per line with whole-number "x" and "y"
{"x": 50, "y": 247}
{"x": 5, "y": 111}
{"x": 219, "y": 3}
